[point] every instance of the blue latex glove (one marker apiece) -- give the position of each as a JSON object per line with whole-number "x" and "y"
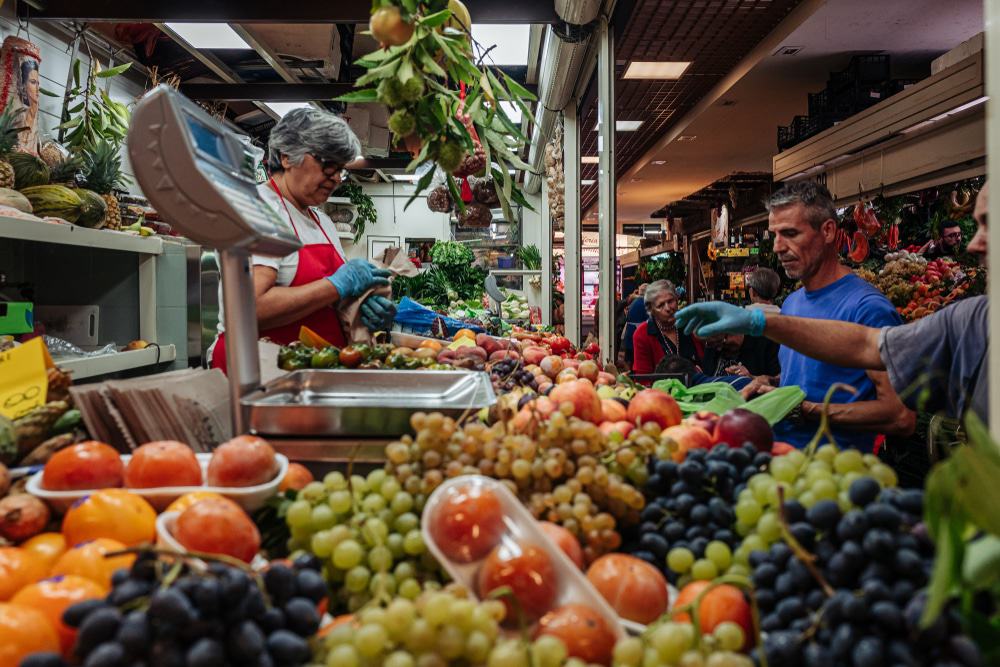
{"x": 377, "y": 313}
{"x": 356, "y": 277}
{"x": 715, "y": 317}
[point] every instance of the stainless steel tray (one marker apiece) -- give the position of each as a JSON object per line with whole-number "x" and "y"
{"x": 362, "y": 403}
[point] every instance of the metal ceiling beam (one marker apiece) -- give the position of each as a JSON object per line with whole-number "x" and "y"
{"x": 259, "y": 11}
{"x": 270, "y": 92}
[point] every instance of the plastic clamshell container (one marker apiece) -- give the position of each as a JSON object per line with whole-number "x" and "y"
{"x": 165, "y": 538}
{"x": 249, "y": 498}
{"x": 573, "y": 586}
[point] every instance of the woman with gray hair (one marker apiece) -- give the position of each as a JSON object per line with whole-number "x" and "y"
{"x": 658, "y": 336}
{"x": 308, "y": 152}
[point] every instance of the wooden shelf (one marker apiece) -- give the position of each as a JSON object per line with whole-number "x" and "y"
{"x": 51, "y": 232}
{"x": 86, "y": 367}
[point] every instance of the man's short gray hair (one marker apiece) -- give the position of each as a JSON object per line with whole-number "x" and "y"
{"x": 813, "y": 196}
{"x": 311, "y": 131}
{"x": 654, "y": 289}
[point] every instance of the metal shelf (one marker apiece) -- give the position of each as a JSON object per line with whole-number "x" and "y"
{"x": 86, "y": 367}
{"x": 51, "y": 232}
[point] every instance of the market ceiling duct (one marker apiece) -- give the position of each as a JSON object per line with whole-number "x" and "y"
{"x": 556, "y": 83}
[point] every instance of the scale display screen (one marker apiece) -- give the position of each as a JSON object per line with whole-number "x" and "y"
{"x": 207, "y": 140}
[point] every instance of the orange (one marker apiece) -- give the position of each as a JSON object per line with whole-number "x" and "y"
{"x": 189, "y": 499}
{"x": 432, "y": 344}
{"x": 52, "y": 596}
{"x": 24, "y": 631}
{"x": 464, "y": 333}
{"x": 46, "y": 547}
{"x": 18, "y": 568}
{"x": 87, "y": 560}
{"x": 114, "y": 513}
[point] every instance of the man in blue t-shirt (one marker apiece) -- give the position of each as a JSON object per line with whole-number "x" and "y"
{"x": 803, "y": 221}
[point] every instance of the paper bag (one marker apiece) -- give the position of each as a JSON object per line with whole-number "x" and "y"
{"x": 396, "y": 261}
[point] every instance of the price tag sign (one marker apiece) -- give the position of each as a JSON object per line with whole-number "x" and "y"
{"x": 23, "y": 378}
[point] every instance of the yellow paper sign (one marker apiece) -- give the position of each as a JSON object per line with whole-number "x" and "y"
{"x": 23, "y": 379}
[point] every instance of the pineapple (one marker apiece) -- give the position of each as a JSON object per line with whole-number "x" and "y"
{"x": 103, "y": 175}
{"x": 66, "y": 171}
{"x": 9, "y": 131}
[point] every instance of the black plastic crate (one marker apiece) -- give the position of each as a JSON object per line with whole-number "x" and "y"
{"x": 786, "y": 137}
{"x": 819, "y": 102}
{"x": 854, "y": 98}
{"x": 870, "y": 68}
{"x": 890, "y": 88}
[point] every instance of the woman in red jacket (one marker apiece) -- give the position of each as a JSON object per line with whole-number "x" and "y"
{"x": 658, "y": 337}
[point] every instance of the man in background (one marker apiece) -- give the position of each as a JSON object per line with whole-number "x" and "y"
{"x": 949, "y": 245}
{"x": 803, "y": 221}
{"x": 763, "y": 286}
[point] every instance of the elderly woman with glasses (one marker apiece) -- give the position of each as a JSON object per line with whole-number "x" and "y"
{"x": 308, "y": 151}
{"x": 658, "y": 336}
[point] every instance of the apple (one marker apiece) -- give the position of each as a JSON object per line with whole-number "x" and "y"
{"x": 544, "y": 386}
{"x": 703, "y": 419}
{"x": 653, "y": 405}
{"x": 571, "y": 363}
{"x": 589, "y": 370}
{"x": 605, "y": 391}
{"x": 740, "y": 425}
{"x": 487, "y": 342}
{"x": 551, "y": 365}
{"x": 533, "y": 355}
{"x": 566, "y": 375}
{"x": 686, "y": 437}
{"x": 613, "y": 411}
{"x": 623, "y": 427}
{"x": 499, "y": 355}
{"x": 583, "y": 397}
{"x": 534, "y": 369}
{"x": 605, "y": 378}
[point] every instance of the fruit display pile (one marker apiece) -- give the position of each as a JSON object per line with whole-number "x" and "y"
{"x": 918, "y": 287}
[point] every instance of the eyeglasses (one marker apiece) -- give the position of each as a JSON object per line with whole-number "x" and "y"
{"x": 331, "y": 168}
{"x": 952, "y": 235}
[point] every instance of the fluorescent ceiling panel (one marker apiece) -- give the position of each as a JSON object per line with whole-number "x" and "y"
{"x": 405, "y": 178}
{"x": 624, "y": 125}
{"x": 209, "y": 35}
{"x": 511, "y": 42}
{"x": 588, "y": 181}
{"x": 282, "y": 108}
{"x": 667, "y": 70}
{"x": 590, "y": 159}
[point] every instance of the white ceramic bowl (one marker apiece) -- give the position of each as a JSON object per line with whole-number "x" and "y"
{"x": 249, "y": 498}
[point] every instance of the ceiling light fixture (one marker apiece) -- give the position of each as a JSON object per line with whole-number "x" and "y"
{"x": 588, "y": 181}
{"x": 659, "y": 162}
{"x": 687, "y": 137}
{"x": 282, "y": 108}
{"x": 668, "y": 70}
{"x": 209, "y": 35}
{"x": 936, "y": 119}
{"x": 508, "y": 44}
{"x": 405, "y": 178}
{"x": 624, "y": 125}
{"x": 590, "y": 159}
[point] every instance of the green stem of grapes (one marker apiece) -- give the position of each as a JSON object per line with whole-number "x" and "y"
{"x": 824, "y": 419}
{"x": 808, "y": 559}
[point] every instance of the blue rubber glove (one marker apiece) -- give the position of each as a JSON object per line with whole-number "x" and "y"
{"x": 715, "y": 317}
{"x": 377, "y": 313}
{"x": 357, "y": 276}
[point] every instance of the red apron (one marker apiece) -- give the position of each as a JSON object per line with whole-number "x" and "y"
{"x": 316, "y": 261}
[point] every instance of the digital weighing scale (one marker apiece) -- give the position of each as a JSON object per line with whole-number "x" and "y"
{"x": 201, "y": 178}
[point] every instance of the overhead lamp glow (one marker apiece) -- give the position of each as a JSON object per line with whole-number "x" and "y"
{"x": 624, "y": 125}
{"x": 282, "y": 108}
{"x": 209, "y": 35}
{"x": 588, "y": 181}
{"x": 659, "y": 162}
{"x": 590, "y": 159}
{"x": 510, "y": 42}
{"x": 405, "y": 178}
{"x": 667, "y": 70}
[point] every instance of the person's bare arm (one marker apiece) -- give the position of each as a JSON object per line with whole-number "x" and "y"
{"x": 886, "y": 414}
{"x": 834, "y": 342}
{"x": 277, "y": 306}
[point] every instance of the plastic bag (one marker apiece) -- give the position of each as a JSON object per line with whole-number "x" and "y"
{"x": 720, "y": 397}
{"x": 775, "y": 405}
{"x": 419, "y": 319}
{"x": 63, "y": 348}
{"x": 717, "y": 397}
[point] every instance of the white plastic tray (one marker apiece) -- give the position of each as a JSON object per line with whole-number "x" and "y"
{"x": 521, "y": 527}
{"x": 249, "y": 498}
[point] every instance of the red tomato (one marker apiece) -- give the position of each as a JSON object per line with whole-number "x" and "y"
{"x": 84, "y": 466}
{"x": 585, "y": 633}
{"x": 529, "y": 572}
{"x": 560, "y": 344}
{"x": 162, "y": 463}
{"x": 246, "y": 460}
{"x": 722, "y": 603}
{"x": 467, "y": 523}
{"x": 635, "y": 589}
{"x": 565, "y": 540}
